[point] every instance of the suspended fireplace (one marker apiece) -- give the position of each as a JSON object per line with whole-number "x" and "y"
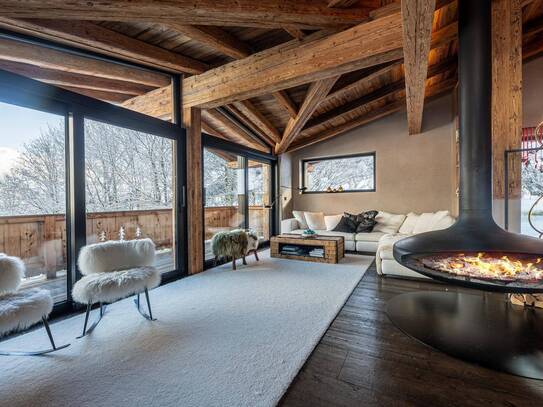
{"x": 475, "y": 252}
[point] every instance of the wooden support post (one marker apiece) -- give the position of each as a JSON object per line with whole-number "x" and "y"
{"x": 506, "y": 102}
{"x": 195, "y": 208}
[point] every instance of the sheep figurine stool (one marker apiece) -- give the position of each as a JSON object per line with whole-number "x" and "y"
{"x": 114, "y": 270}
{"x": 234, "y": 244}
{"x": 22, "y": 309}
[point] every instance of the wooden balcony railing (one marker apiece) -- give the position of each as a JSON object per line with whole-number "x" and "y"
{"x": 40, "y": 240}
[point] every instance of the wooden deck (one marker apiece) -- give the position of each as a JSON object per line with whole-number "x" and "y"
{"x": 363, "y": 360}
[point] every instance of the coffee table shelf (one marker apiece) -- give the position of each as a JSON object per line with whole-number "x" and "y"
{"x": 333, "y": 246}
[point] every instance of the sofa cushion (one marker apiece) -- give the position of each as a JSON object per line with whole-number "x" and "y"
{"x": 386, "y": 245}
{"x": 428, "y": 221}
{"x": 365, "y": 246}
{"x": 369, "y": 237}
{"x": 444, "y": 223}
{"x": 331, "y": 221}
{"x": 300, "y": 217}
{"x": 315, "y": 220}
{"x": 409, "y": 223}
{"x": 346, "y": 236}
{"x": 388, "y": 222}
{"x": 365, "y": 221}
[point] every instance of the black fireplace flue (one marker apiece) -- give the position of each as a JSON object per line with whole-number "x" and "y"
{"x": 475, "y": 233}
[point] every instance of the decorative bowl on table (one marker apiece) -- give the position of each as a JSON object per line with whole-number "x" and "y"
{"x": 309, "y": 233}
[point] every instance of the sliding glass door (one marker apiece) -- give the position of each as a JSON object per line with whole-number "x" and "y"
{"x": 33, "y": 195}
{"x": 238, "y": 191}
{"x": 259, "y": 195}
{"x": 224, "y": 194}
{"x": 129, "y": 188}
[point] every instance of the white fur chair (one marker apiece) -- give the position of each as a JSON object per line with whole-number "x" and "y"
{"x": 21, "y": 309}
{"x": 114, "y": 270}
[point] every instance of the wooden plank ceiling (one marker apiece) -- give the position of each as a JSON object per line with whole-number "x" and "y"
{"x": 274, "y": 75}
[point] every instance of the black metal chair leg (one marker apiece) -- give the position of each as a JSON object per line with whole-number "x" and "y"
{"x": 143, "y": 314}
{"x": 39, "y": 352}
{"x": 95, "y": 323}
{"x": 48, "y": 330}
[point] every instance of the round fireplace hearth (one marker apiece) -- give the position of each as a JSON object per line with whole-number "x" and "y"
{"x": 484, "y": 329}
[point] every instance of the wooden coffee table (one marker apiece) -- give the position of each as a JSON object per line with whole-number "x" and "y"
{"x": 333, "y": 246}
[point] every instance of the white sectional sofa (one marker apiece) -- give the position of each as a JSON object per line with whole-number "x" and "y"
{"x": 389, "y": 229}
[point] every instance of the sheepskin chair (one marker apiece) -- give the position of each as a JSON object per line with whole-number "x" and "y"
{"x": 21, "y": 309}
{"x": 229, "y": 244}
{"x": 114, "y": 270}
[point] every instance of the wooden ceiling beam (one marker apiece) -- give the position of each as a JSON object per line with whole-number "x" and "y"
{"x": 532, "y": 9}
{"x": 295, "y": 32}
{"x": 308, "y": 14}
{"x": 252, "y": 113}
{"x": 232, "y": 128}
{"x": 286, "y": 103}
{"x": 60, "y": 78}
{"x": 316, "y": 93}
{"x": 157, "y": 103}
{"x": 431, "y": 91}
{"x": 377, "y": 94}
{"x": 214, "y": 37}
{"x": 368, "y": 75}
{"x": 279, "y": 68}
{"x": 234, "y": 111}
{"x": 89, "y": 36}
{"x": 418, "y": 16}
{"x": 341, "y": 3}
{"x": 16, "y": 51}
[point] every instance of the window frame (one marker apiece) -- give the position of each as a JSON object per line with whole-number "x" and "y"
{"x": 304, "y": 161}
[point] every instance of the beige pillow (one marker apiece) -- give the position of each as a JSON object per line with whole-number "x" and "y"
{"x": 424, "y": 223}
{"x": 388, "y": 222}
{"x": 315, "y": 220}
{"x": 409, "y": 224}
{"x": 331, "y": 221}
{"x": 300, "y": 217}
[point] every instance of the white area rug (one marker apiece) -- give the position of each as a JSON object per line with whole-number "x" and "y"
{"x": 222, "y": 338}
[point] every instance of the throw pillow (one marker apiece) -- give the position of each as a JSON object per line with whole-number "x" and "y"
{"x": 366, "y": 226}
{"x": 426, "y": 221}
{"x": 409, "y": 224}
{"x": 388, "y": 222}
{"x": 315, "y": 220}
{"x": 345, "y": 225}
{"x": 368, "y": 215}
{"x": 300, "y": 217}
{"x": 332, "y": 221}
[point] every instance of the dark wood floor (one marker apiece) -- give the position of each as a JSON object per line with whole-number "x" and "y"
{"x": 364, "y": 360}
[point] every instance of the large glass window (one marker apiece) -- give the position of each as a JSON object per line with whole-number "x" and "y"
{"x": 129, "y": 188}
{"x": 259, "y": 194}
{"x": 224, "y": 193}
{"x": 33, "y": 195}
{"x": 354, "y": 173}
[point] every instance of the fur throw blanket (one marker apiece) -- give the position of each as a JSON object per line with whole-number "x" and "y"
{"x": 229, "y": 244}
{"x": 11, "y": 273}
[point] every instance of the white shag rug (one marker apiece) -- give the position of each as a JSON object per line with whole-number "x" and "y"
{"x": 222, "y": 338}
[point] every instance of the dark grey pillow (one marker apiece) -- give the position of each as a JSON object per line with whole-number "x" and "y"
{"x": 366, "y": 226}
{"x": 345, "y": 225}
{"x": 362, "y": 216}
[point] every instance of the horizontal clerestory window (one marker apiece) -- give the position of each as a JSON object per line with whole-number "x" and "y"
{"x": 350, "y": 173}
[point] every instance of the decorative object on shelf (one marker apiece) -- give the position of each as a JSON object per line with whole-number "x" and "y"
{"x": 329, "y": 189}
{"x": 340, "y": 189}
{"x": 309, "y": 233}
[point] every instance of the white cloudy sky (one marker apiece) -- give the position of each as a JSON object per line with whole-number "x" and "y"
{"x": 19, "y": 125}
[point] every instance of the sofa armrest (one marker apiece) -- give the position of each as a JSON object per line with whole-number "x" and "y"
{"x": 288, "y": 225}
